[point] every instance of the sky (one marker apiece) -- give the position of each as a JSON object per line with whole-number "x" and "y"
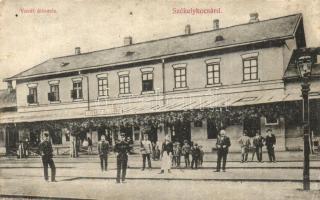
{"x": 27, "y": 39}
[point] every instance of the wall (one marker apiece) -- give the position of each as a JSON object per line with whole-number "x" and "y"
{"x": 270, "y": 67}
{"x": 294, "y": 137}
{"x": 2, "y": 141}
{"x": 287, "y": 51}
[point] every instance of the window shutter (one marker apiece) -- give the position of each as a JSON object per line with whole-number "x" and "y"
{"x": 73, "y": 94}
{"x": 80, "y": 94}
{"x": 50, "y": 96}
{"x": 30, "y": 98}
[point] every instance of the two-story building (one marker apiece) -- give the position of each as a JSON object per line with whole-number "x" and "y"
{"x": 239, "y": 78}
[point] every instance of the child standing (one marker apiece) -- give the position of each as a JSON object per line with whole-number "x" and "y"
{"x": 201, "y": 156}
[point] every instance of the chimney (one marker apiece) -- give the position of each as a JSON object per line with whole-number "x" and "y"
{"x": 127, "y": 41}
{"x": 215, "y": 24}
{"x": 187, "y": 29}
{"x": 9, "y": 86}
{"x": 77, "y": 50}
{"x": 254, "y": 17}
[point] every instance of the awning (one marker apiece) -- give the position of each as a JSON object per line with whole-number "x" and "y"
{"x": 159, "y": 105}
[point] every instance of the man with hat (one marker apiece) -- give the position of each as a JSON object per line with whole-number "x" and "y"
{"x": 223, "y": 144}
{"x": 103, "y": 150}
{"x": 46, "y": 150}
{"x": 146, "y": 150}
{"x": 122, "y": 149}
{"x": 195, "y": 152}
{"x": 270, "y": 143}
{"x": 185, "y": 152}
{"x": 245, "y": 143}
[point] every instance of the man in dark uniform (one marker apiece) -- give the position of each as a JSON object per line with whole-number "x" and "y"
{"x": 103, "y": 149}
{"x": 223, "y": 144}
{"x": 195, "y": 152}
{"x": 46, "y": 150}
{"x": 270, "y": 142}
{"x": 258, "y": 144}
{"x": 122, "y": 149}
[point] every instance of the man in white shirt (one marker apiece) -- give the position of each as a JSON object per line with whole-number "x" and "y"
{"x": 146, "y": 150}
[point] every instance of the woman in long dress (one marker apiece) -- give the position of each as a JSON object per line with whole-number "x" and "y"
{"x": 166, "y": 155}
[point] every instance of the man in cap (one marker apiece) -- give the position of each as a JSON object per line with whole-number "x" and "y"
{"x": 195, "y": 152}
{"x": 223, "y": 144}
{"x": 270, "y": 143}
{"x": 103, "y": 149}
{"x": 258, "y": 144}
{"x": 46, "y": 150}
{"x": 122, "y": 149}
{"x": 185, "y": 152}
{"x": 146, "y": 150}
{"x": 245, "y": 143}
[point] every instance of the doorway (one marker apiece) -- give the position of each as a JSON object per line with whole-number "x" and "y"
{"x": 251, "y": 126}
{"x": 181, "y": 131}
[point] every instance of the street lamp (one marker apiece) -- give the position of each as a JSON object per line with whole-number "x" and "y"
{"x": 304, "y": 67}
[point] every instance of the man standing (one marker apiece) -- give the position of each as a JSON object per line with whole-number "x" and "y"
{"x": 122, "y": 149}
{"x": 103, "y": 149}
{"x": 258, "y": 144}
{"x": 186, "y": 151}
{"x": 223, "y": 144}
{"x": 270, "y": 143}
{"x": 46, "y": 150}
{"x": 146, "y": 150}
{"x": 195, "y": 151}
{"x": 244, "y": 142}
{"x": 89, "y": 145}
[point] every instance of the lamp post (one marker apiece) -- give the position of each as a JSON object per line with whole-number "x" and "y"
{"x": 304, "y": 65}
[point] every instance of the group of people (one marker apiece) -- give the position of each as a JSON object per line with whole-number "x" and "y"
{"x": 171, "y": 153}
{"x": 23, "y": 149}
{"x": 256, "y": 146}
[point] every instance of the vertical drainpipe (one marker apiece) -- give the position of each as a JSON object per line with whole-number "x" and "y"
{"x": 88, "y": 92}
{"x": 163, "y": 81}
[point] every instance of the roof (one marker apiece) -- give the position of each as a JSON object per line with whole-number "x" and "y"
{"x": 292, "y": 71}
{"x": 7, "y": 99}
{"x": 271, "y": 29}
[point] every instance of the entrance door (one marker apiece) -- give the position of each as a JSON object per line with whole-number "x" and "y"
{"x": 251, "y": 126}
{"x": 12, "y": 139}
{"x": 181, "y": 131}
{"x": 127, "y": 130}
{"x": 34, "y": 138}
{"x": 212, "y": 131}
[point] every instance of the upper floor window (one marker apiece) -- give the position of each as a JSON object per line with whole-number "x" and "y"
{"x": 250, "y": 66}
{"x": 147, "y": 81}
{"x": 33, "y": 95}
{"x": 54, "y": 93}
{"x": 213, "y": 73}
{"x": 124, "y": 82}
{"x": 76, "y": 92}
{"x": 103, "y": 87}
{"x": 180, "y": 77}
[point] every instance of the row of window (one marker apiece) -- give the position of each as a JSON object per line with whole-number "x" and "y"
{"x": 250, "y": 72}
